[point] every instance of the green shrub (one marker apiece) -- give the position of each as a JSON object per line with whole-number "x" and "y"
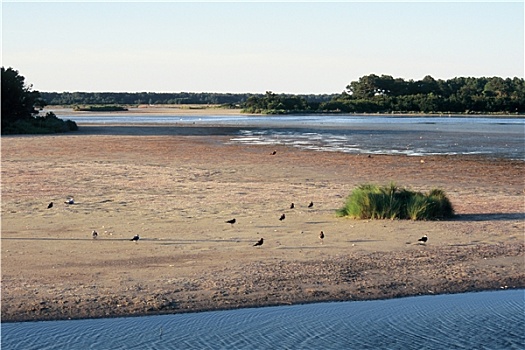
{"x": 48, "y": 124}
{"x": 390, "y": 202}
{"x": 442, "y": 207}
{"x": 419, "y": 207}
{"x": 103, "y": 108}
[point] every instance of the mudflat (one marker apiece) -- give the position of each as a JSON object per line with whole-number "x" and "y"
{"x": 177, "y": 188}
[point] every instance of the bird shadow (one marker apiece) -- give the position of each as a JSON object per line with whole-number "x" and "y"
{"x": 61, "y": 239}
{"x": 101, "y": 239}
{"x": 489, "y": 217}
{"x": 364, "y": 240}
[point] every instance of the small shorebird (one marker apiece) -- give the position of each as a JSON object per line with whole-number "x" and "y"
{"x": 94, "y": 234}
{"x": 321, "y": 236}
{"x": 232, "y": 221}
{"x": 135, "y": 238}
{"x": 259, "y": 242}
{"x": 282, "y": 217}
{"x": 292, "y": 206}
{"x": 50, "y": 205}
{"x": 311, "y": 205}
{"x": 274, "y": 153}
{"x": 70, "y": 200}
{"x": 423, "y": 239}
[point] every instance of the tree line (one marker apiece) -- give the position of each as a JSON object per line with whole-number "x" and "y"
{"x": 384, "y": 94}
{"x": 369, "y": 94}
{"x": 156, "y": 98}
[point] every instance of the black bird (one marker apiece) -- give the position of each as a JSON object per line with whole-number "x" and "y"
{"x": 311, "y": 205}
{"x": 274, "y": 153}
{"x": 50, "y": 205}
{"x": 423, "y": 239}
{"x": 282, "y": 217}
{"x": 135, "y": 238}
{"x": 259, "y": 242}
{"x": 292, "y": 206}
{"x": 94, "y": 234}
{"x": 321, "y": 236}
{"x": 232, "y": 221}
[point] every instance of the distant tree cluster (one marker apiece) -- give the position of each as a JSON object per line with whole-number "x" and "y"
{"x": 154, "y": 98}
{"x": 384, "y": 94}
{"x": 272, "y": 103}
{"x": 19, "y": 108}
{"x": 138, "y": 98}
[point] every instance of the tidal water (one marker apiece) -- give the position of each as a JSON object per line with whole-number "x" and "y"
{"x": 484, "y": 320}
{"x": 495, "y": 137}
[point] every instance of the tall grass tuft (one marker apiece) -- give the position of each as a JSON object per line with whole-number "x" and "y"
{"x": 370, "y": 201}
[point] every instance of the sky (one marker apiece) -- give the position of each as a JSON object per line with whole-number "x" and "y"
{"x": 254, "y": 47}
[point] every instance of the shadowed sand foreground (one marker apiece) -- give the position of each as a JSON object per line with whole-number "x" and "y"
{"x": 177, "y": 189}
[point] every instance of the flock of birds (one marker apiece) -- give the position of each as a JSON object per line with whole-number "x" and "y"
{"x": 260, "y": 242}
{"x": 283, "y": 216}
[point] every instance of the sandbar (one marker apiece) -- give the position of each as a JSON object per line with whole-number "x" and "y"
{"x": 177, "y": 188}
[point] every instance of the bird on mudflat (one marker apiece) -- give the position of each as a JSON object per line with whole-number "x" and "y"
{"x": 282, "y": 217}
{"x": 135, "y": 238}
{"x": 70, "y": 200}
{"x": 274, "y": 153}
{"x": 259, "y": 242}
{"x": 311, "y": 205}
{"x": 94, "y": 234}
{"x": 232, "y": 221}
{"x": 50, "y": 205}
{"x": 321, "y": 236}
{"x": 292, "y": 206}
{"x": 423, "y": 239}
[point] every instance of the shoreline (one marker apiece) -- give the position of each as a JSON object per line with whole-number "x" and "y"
{"x": 79, "y": 316}
{"x": 178, "y": 190}
{"x": 106, "y": 307}
{"x": 208, "y": 110}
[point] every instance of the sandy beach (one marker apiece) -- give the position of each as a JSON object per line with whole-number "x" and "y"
{"x": 177, "y": 188}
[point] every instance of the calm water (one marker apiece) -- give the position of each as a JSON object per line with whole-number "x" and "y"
{"x": 486, "y": 320}
{"x": 413, "y": 136}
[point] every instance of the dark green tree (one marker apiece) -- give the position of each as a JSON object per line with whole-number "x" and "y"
{"x": 19, "y": 102}
{"x": 19, "y": 113}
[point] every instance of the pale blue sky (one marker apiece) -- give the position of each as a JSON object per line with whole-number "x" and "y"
{"x": 258, "y": 46}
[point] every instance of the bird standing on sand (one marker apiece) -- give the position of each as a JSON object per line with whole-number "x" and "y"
{"x": 274, "y": 153}
{"x": 292, "y": 206}
{"x": 259, "y": 242}
{"x": 50, "y": 205}
{"x": 321, "y": 236}
{"x": 70, "y": 200}
{"x": 232, "y": 221}
{"x": 94, "y": 234}
{"x": 135, "y": 238}
{"x": 423, "y": 239}
{"x": 311, "y": 205}
{"x": 282, "y": 217}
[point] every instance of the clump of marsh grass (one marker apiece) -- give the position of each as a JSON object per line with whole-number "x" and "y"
{"x": 370, "y": 201}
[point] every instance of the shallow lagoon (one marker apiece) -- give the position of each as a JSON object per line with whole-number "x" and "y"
{"x": 413, "y": 136}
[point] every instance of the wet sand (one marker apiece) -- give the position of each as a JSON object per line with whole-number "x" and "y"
{"x": 176, "y": 187}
